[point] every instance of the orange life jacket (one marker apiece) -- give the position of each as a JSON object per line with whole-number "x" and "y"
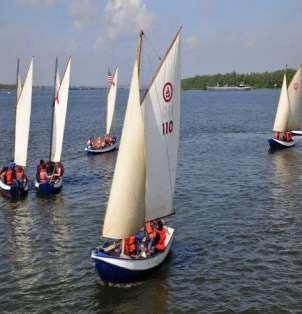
{"x": 9, "y": 176}
{"x": 277, "y": 135}
{"x": 130, "y": 245}
{"x": 160, "y": 245}
{"x": 150, "y": 230}
{"x": 43, "y": 175}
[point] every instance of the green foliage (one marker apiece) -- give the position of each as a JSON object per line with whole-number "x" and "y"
{"x": 256, "y": 80}
{"x": 7, "y": 87}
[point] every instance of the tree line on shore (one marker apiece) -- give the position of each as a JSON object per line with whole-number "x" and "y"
{"x": 255, "y": 80}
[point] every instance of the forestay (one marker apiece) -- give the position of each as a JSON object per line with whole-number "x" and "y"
{"x": 161, "y": 107}
{"x": 295, "y": 101}
{"x": 59, "y": 116}
{"x": 126, "y": 206}
{"x": 282, "y": 113}
{"x": 111, "y": 97}
{"x": 23, "y": 111}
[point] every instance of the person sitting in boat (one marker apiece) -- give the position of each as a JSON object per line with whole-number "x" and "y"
{"x": 20, "y": 174}
{"x": 58, "y": 170}
{"x": 287, "y": 136}
{"x": 150, "y": 235}
{"x": 42, "y": 176}
{"x": 7, "y": 175}
{"x": 277, "y": 135}
{"x": 160, "y": 237}
{"x": 130, "y": 245}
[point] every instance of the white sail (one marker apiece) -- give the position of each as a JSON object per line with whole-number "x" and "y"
{"x": 295, "y": 101}
{"x": 23, "y": 111}
{"x": 111, "y": 97}
{"x": 59, "y": 116}
{"x": 161, "y": 106}
{"x": 282, "y": 113}
{"x": 126, "y": 206}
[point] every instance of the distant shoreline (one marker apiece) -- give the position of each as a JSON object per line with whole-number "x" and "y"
{"x": 255, "y": 80}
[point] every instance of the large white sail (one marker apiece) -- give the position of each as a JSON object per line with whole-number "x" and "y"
{"x": 295, "y": 101}
{"x": 23, "y": 111}
{"x": 282, "y": 113}
{"x": 111, "y": 97}
{"x": 59, "y": 116}
{"x": 126, "y": 206}
{"x": 161, "y": 106}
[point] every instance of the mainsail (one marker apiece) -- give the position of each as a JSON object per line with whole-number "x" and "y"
{"x": 161, "y": 106}
{"x": 59, "y": 114}
{"x": 282, "y": 114}
{"x": 111, "y": 97}
{"x": 23, "y": 111}
{"x": 295, "y": 101}
{"x": 126, "y": 206}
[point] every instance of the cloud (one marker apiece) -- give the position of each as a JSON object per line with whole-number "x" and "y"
{"x": 36, "y": 3}
{"x": 192, "y": 42}
{"x": 84, "y": 13}
{"x": 122, "y": 17}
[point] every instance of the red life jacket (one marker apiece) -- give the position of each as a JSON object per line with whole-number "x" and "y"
{"x": 130, "y": 245}
{"x": 150, "y": 230}
{"x": 160, "y": 245}
{"x": 43, "y": 175}
{"x": 9, "y": 176}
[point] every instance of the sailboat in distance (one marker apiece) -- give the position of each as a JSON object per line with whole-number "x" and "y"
{"x": 108, "y": 142}
{"x": 13, "y": 180}
{"x": 283, "y": 121}
{"x": 143, "y": 184}
{"x": 295, "y": 100}
{"x": 49, "y": 176}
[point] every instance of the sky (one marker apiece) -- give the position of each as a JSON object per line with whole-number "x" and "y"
{"x": 218, "y": 36}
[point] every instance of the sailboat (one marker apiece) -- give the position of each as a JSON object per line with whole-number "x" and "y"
{"x": 295, "y": 101}
{"x": 108, "y": 142}
{"x": 13, "y": 180}
{"x": 283, "y": 122}
{"x": 144, "y": 179}
{"x": 49, "y": 177}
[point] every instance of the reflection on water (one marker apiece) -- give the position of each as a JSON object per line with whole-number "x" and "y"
{"x": 238, "y": 222}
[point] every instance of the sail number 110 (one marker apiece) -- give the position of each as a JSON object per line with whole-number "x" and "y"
{"x": 167, "y": 127}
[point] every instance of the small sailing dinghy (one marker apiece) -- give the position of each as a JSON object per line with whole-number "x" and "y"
{"x": 107, "y": 143}
{"x": 144, "y": 179}
{"x": 13, "y": 180}
{"x": 49, "y": 177}
{"x": 295, "y": 101}
{"x": 283, "y": 122}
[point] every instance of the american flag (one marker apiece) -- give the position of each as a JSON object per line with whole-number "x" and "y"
{"x": 110, "y": 78}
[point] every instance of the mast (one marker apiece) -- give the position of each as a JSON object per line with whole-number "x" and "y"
{"x": 53, "y": 107}
{"x": 139, "y": 50}
{"x": 18, "y": 88}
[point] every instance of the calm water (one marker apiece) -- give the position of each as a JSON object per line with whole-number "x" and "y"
{"x": 238, "y": 243}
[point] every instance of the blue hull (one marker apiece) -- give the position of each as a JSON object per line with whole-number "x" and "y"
{"x": 115, "y": 274}
{"x": 274, "y": 145}
{"x": 48, "y": 189}
{"x": 15, "y": 193}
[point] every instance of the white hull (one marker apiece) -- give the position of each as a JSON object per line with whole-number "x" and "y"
{"x": 106, "y": 149}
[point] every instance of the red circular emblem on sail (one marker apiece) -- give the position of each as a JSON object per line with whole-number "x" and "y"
{"x": 167, "y": 92}
{"x": 296, "y": 85}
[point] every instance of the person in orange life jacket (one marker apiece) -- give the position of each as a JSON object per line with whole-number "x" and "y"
{"x": 20, "y": 175}
{"x": 130, "y": 245}
{"x": 277, "y": 135}
{"x": 43, "y": 177}
{"x": 7, "y": 175}
{"x": 41, "y": 165}
{"x": 287, "y": 136}
{"x": 59, "y": 170}
{"x": 160, "y": 237}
